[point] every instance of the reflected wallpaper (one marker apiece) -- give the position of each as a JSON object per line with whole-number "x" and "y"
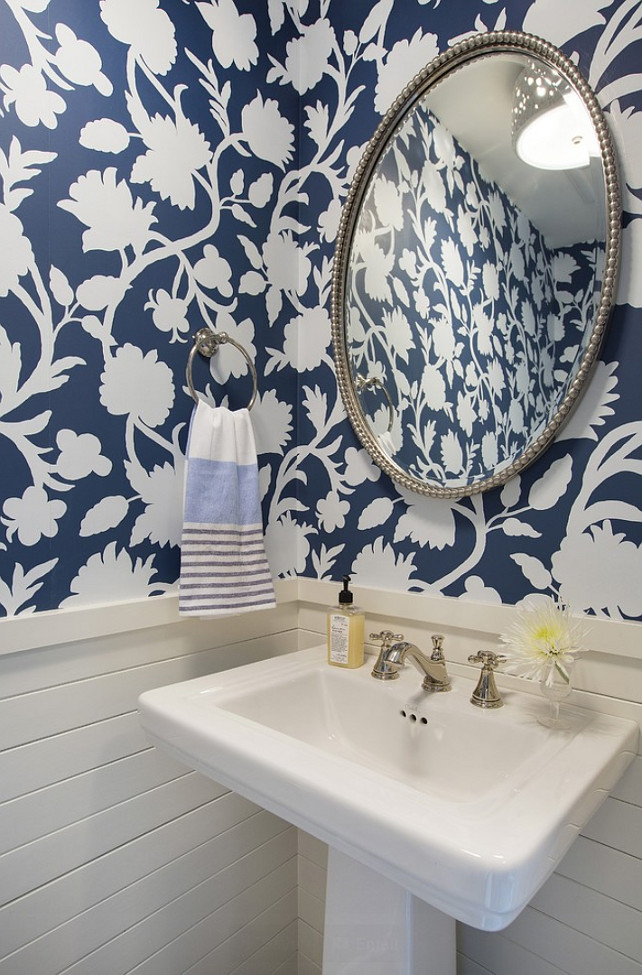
{"x": 460, "y": 310}
{"x": 166, "y": 164}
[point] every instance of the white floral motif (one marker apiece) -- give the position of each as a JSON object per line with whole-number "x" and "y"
{"x": 27, "y": 90}
{"x": 137, "y": 385}
{"x": 145, "y": 27}
{"x": 233, "y": 34}
{"x": 32, "y": 516}
{"x": 106, "y": 207}
{"x": 177, "y": 149}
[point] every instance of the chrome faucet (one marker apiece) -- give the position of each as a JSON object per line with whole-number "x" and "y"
{"x": 433, "y": 667}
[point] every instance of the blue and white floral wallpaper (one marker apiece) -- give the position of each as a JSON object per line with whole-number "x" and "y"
{"x": 168, "y": 163}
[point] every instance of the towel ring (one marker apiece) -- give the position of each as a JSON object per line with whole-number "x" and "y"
{"x": 207, "y": 343}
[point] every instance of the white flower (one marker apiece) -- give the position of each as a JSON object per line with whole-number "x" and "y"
{"x": 104, "y": 135}
{"x": 452, "y": 455}
{"x": 272, "y": 422}
{"x": 600, "y": 570}
{"x": 148, "y": 31}
{"x": 377, "y": 565}
{"x": 308, "y": 55}
{"x": 286, "y": 264}
{"x": 213, "y": 271}
{"x": 137, "y": 385}
{"x": 307, "y": 338}
{"x": 269, "y": 135}
{"x": 106, "y": 207}
{"x": 176, "y": 151}
{"x": 542, "y": 639}
{"x": 162, "y": 493}
{"x": 113, "y": 577}
{"x": 80, "y": 62}
{"x": 359, "y": 467}
{"x": 169, "y": 313}
{"x": 403, "y": 62}
{"x": 233, "y": 34}
{"x": 99, "y": 291}
{"x": 287, "y": 546}
{"x": 80, "y": 456}
{"x": 27, "y": 89}
{"x": 32, "y": 516}
{"x": 452, "y": 262}
{"x": 388, "y": 203}
{"x": 16, "y": 254}
{"x": 332, "y": 511}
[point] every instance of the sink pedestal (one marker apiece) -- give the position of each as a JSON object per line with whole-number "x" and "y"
{"x": 375, "y": 927}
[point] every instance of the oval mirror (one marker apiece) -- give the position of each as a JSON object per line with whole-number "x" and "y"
{"x": 475, "y": 265}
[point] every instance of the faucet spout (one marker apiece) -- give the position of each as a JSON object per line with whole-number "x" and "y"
{"x": 434, "y": 670}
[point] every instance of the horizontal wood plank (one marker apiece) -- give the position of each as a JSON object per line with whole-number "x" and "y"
{"x": 70, "y": 899}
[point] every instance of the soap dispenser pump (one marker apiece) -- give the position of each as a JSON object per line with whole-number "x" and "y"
{"x": 346, "y": 624}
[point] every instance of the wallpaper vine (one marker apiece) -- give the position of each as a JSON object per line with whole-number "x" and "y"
{"x": 166, "y": 164}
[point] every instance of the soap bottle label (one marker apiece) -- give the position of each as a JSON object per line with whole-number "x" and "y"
{"x": 339, "y": 638}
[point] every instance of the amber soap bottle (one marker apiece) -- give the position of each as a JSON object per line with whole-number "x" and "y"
{"x": 345, "y": 630}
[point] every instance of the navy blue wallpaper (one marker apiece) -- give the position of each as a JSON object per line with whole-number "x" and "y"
{"x": 166, "y": 164}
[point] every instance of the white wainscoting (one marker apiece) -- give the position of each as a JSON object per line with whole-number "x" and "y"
{"x": 113, "y": 857}
{"x": 116, "y": 859}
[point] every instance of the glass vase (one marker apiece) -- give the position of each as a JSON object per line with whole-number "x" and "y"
{"x": 556, "y": 687}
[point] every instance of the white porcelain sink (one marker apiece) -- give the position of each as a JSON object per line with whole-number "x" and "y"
{"x": 470, "y": 810}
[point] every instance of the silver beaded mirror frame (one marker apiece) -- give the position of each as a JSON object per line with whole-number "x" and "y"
{"x": 352, "y": 333}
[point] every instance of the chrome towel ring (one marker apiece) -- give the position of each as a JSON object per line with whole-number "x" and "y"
{"x": 207, "y": 342}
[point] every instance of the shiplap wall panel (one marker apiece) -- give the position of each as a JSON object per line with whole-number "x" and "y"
{"x": 101, "y": 835}
{"x": 629, "y": 788}
{"x": 40, "y": 862}
{"x": 47, "y": 810}
{"x": 602, "y": 918}
{"x": 500, "y": 956}
{"x": 245, "y": 941}
{"x": 606, "y": 870}
{"x": 465, "y": 966}
{"x": 313, "y": 864}
{"x": 70, "y": 899}
{"x": 38, "y": 764}
{"x": 87, "y": 931}
{"x": 573, "y": 952}
{"x": 241, "y": 916}
{"x": 618, "y": 824}
{"x": 189, "y": 926}
{"x": 264, "y": 960}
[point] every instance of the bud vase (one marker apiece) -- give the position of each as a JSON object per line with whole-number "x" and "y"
{"x": 556, "y": 687}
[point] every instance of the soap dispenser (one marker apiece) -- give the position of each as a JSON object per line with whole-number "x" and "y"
{"x": 345, "y": 630}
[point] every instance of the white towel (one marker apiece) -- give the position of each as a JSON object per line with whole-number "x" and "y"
{"x": 224, "y": 568}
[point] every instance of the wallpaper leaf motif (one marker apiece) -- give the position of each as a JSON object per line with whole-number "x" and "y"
{"x": 166, "y": 166}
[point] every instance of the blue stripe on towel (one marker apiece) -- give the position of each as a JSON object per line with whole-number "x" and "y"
{"x": 220, "y": 492}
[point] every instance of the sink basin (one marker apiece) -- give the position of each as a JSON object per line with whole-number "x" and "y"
{"x": 469, "y": 810}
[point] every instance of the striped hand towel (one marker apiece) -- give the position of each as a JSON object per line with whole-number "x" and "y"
{"x": 224, "y": 569}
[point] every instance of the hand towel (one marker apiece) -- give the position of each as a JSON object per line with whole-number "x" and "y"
{"x": 224, "y": 569}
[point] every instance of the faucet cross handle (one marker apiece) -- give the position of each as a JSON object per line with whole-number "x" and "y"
{"x": 437, "y": 647}
{"x": 386, "y": 637}
{"x": 486, "y": 694}
{"x": 488, "y": 658}
{"x": 382, "y": 670}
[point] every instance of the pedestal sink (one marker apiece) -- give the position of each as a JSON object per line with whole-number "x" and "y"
{"x": 418, "y": 795}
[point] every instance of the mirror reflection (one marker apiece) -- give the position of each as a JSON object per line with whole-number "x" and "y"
{"x": 472, "y": 272}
